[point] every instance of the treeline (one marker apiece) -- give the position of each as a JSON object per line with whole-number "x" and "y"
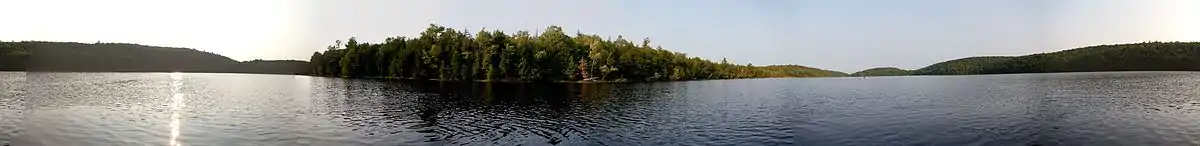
{"x": 882, "y": 71}
{"x": 124, "y": 57}
{"x": 781, "y": 71}
{"x": 964, "y": 66}
{"x": 120, "y": 57}
{"x": 449, "y": 54}
{"x": 13, "y": 56}
{"x": 1148, "y": 56}
{"x": 295, "y": 67}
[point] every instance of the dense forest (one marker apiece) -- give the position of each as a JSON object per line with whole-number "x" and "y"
{"x": 1149, "y": 56}
{"x": 963, "y": 66}
{"x": 882, "y": 71}
{"x": 783, "y": 71}
{"x": 12, "y": 56}
{"x": 122, "y": 57}
{"x": 448, "y": 54}
{"x": 295, "y": 67}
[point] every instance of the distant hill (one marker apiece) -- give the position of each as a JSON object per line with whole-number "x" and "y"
{"x": 963, "y": 66}
{"x": 882, "y": 71}
{"x": 113, "y": 57}
{"x": 121, "y": 57}
{"x": 1150, "y": 56}
{"x": 798, "y": 71}
{"x": 12, "y": 57}
{"x": 273, "y": 67}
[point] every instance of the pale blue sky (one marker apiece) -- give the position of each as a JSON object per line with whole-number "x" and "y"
{"x": 842, "y": 35}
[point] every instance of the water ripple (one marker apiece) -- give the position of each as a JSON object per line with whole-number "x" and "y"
{"x": 1124, "y": 108}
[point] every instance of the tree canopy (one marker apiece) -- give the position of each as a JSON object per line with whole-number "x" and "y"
{"x": 124, "y": 57}
{"x": 882, "y": 71}
{"x": 448, "y": 54}
{"x": 13, "y": 56}
{"x": 273, "y": 67}
{"x": 1148, "y": 56}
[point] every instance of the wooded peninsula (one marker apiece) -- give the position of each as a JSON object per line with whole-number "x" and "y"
{"x": 447, "y": 54}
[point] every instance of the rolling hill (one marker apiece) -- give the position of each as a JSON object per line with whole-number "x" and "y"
{"x": 122, "y": 57}
{"x": 797, "y": 71}
{"x": 882, "y": 71}
{"x": 1149, "y": 56}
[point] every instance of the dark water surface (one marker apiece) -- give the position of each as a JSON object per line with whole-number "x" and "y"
{"x": 1120, "y": 108}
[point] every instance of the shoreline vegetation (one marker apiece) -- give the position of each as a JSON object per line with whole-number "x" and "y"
{"x": 882, "y": 71}
{"x": 40, "y": 56}
{"x": 1145, "y": 56}
{"x": 446, "y": 54}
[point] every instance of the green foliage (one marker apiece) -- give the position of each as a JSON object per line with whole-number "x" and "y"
{"x": 9, "y": 49}
{"x": 13, "y": 56}
{"x": 1149, "y": 56}
{"x": 882, "y": 71}
{"x": 964, "y": 66}
{"x": 449, "y": 54}
{"x": 797, "y": 71}
{"x": 272, "y": 67}
{"x": 122, "y": 57}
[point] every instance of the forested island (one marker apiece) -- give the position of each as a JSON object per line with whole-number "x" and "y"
{"x": 122, "y": 57}
{"x": 882, "y": 71}
{"x": 1148, "y": 56}
{"x": 442, "y": 53}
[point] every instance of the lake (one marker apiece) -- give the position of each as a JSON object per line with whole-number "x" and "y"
{"x": 1115, "y": 108}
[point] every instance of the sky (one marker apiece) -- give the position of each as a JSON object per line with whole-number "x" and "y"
{"x": 841, "y": 35}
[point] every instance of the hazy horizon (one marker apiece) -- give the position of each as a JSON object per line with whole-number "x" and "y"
{"x": 844, "y": 36}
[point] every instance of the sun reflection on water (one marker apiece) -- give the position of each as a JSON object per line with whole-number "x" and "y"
{"x": 176, "y": 107}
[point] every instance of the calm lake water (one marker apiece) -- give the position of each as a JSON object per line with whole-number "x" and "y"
{"x": 1120, "y": 108}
